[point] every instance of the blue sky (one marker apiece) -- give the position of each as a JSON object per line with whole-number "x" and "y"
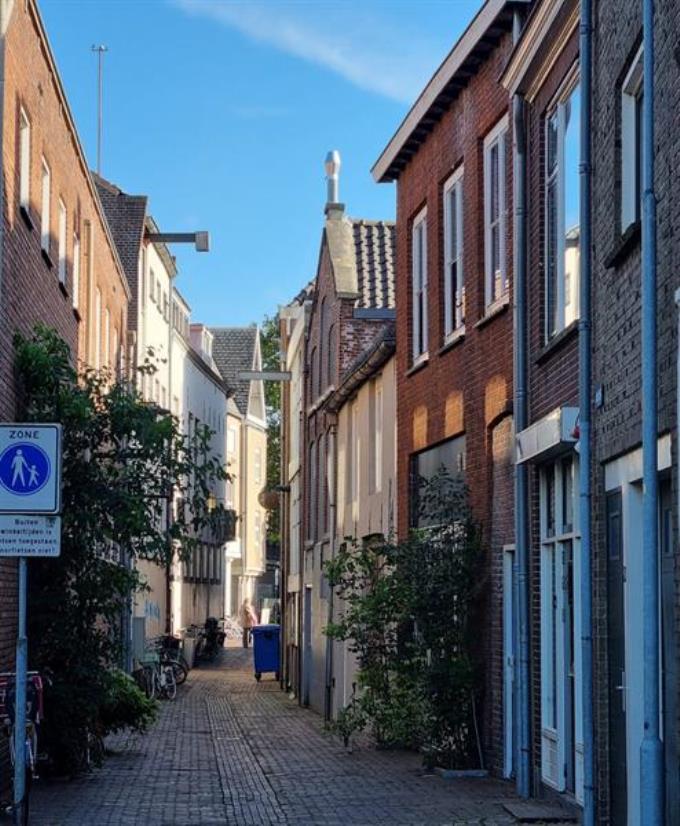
{"x": 222, "y": 112}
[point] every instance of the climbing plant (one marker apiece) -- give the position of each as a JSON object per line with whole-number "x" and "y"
{"x": 121, "y": 459}
{"x": 408, "y": 614}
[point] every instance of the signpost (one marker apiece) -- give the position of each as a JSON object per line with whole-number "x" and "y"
{"x": 30, "y": 499}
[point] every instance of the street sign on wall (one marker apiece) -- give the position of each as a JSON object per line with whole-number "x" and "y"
{"x": 30, "y": 468}
{"x": 29, "y": 535}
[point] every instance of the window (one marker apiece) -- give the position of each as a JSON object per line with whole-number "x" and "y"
{"x": 231, "y": 440}
{"x": 107, "y": 338}
{"x": 152, "y": 285}
{"x": 449, "y": 456}
{"x": 495, "y": 209}
{"x": 46, "y": 194}
{"x": 562, "y": 210}
{"x": 158, "y": 294}
{"x": 631, "y": 144}
{"x": 331, "y": 355}
{"x": 561, "y": 735}
{"x": 61, "y": 267}
{"x": 323, "y": 320}
{"x": 419, "y": 286}
{"x": 97, "y": 329}
{"x": 454, "y": 281}
{"x": 311, "y": 515}
{"x": 257, "y": 465}
{"x": 314, "y": 375}
{"x": 116, "y": 352}
{"x": 24, "y": 160}
{"x": 165, "y": 306}
{"x": 375, "y": 431}
{"x": 76, "y": 271}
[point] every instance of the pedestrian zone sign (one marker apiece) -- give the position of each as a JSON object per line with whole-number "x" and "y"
{"x": 30, "y": 468}
{"x": 28, "y": 535}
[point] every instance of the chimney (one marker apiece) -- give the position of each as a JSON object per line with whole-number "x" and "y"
{"x": 332, "y": 167}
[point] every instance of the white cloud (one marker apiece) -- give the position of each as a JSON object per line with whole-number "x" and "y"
{"x": 365, "y": 48}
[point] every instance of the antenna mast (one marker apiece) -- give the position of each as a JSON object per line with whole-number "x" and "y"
{"x": 100, "y": 56}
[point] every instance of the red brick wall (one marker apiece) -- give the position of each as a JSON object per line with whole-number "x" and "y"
{"x": 553, "y": 369}
{"x": 29, "y": 287}
{"x": 474, "y": 375}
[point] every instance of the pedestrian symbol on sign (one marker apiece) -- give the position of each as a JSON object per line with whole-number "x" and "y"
{"x": 24, "y": 469}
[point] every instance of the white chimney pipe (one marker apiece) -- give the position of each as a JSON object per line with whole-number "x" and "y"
{"x": 332, "y": 167}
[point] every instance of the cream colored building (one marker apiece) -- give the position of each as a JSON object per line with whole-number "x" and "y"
{"x": 237, "y": 349}
{"x": 365, "y": 404}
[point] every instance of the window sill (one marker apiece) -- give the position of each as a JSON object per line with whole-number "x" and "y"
{"x": 629, "y": 241}
{"x": 46, "y": 258}
{"x": 557, "y": 342}
{"x": 499, "y": 306}
{"x": 63, "y": 289}
{"x": 26, "y": 215}
{"x": 421, "y": 361}
{"x": 454, "y": 338}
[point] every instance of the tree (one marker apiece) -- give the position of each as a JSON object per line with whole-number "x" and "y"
{"x": 121, "y": 457}
{"x": 409, "y": 614}
{"x": 271, "y": 360}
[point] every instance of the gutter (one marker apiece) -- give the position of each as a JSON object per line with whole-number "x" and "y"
{"x": 522, "y": 695}
{"x": 362, "y": 370}
{"x": 585, "y": 413}
{"x": 651, "y": 749}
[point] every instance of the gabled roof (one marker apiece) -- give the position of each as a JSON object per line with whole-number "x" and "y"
{"x": 234, "y": 350}
{"x": 362, "y": 255}
{"x": 477, "y": 41}
{"x": 125, "y": 215}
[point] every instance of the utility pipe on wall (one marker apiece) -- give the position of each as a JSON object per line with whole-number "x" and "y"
{"x": 651, "y": 750}
{"x": 585, "y": 407}
{"x": 332, "y": 493}
{"x": 522, "y": 698}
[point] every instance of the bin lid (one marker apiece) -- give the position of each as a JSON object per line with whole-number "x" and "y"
{"x": 262, "y": 628}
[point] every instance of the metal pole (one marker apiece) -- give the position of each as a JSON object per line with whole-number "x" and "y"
{"x": 20, "y": 699}
{"x": 522, "y": 698}
{"x": 585, "y": 381}
{"x": 651, "y": 751}
{"x": 100, "y": 86}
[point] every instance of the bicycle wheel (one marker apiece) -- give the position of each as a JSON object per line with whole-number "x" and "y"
{"x": 179, "y": 670}
{"x": 151, "y": 682}
{"x": 170, "y": 683}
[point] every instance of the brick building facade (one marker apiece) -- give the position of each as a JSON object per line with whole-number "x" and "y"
{"x": 55, "y": 249}
{"x": 617, "y": 379}
{"x": 452, "y": 161}
{"x": 353, "y": 295}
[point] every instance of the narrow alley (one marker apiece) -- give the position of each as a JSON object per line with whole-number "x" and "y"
{"x": 232, "y": 751}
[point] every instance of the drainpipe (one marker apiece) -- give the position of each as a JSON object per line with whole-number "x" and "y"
{"x": 522, "y": 696}
{"x": 585, "y": 408}
{"x": 332, "y": 491}
{"x": 651, "y": 752}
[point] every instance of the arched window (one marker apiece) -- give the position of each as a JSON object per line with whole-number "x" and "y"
{"x": 312, "y": 494}
{"x": 321, "y": 488}
{"x": 330, "y": 365}
{"x": 323, "y": 376}
{"x": 314, "y": 376}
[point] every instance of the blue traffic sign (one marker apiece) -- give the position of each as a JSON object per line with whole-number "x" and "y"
{"x": 24, "y": 469}
{"x": 30, "y": 468}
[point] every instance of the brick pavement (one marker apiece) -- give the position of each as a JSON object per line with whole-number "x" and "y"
{"x": 232, "y": 751}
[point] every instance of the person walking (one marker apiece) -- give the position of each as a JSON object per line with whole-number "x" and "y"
{"x": 248, "y": 619}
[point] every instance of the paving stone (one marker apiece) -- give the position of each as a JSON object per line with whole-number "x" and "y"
{"x": 230, "y": 750}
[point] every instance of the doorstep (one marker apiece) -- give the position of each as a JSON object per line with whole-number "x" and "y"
{"x": 534, "y": 812}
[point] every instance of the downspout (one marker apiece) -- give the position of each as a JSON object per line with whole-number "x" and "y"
{"x": 332, "y": 492}
{"x": 651, "y": 751}
{"x": 585, "y": 408}
{"x": 522, "y": 696}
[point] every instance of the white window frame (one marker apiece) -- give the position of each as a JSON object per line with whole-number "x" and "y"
{"x": 45, "y": 204}
{"x": 97, "y": 328}
{"x": 558, "y": 179}
{"x": 231, "y": 441}
{"x": 61, "y": 242}
{"x": 76, "y": 271}
{"x": 419, "y": 326}
{"x": 553, "y": 638}
{"x": 454, "y": 304}
{"x": 24, "y": 160}
{"x": 495, "y": 283}
{"x": 257, "y": 465}
{"x": 631, "y": 144}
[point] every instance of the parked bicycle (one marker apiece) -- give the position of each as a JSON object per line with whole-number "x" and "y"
{"x": 34, "y": 711}
{"x": 156, "y": 677}
{"x": 168, "y": 648}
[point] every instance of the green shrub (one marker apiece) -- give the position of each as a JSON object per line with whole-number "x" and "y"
{"x": 125, "y": 705}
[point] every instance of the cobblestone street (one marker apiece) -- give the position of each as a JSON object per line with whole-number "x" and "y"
{"x": 231, "y": 751}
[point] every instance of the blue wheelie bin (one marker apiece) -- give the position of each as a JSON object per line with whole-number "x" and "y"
{"x": 266, "y": 649}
